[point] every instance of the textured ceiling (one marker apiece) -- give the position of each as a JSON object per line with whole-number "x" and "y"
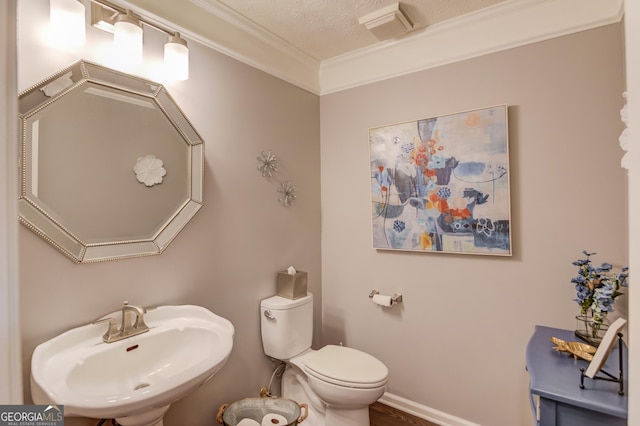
{"x": 327, "y": 28}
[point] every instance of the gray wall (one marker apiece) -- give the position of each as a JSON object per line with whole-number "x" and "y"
{"x": 457, "y": 342}
{"x": 227, "y": 256}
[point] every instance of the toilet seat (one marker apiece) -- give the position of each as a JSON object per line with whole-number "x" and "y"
{"x": 346, "y": 367}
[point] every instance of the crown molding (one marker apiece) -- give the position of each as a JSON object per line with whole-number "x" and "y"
{"x": 503, "y": 26}
{"x": 278, "y": 56}
{"x": 219, "y": 28}
{"x": 496, "y": 28}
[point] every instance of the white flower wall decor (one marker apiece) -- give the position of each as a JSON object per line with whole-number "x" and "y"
{"x": 149, "y": 170}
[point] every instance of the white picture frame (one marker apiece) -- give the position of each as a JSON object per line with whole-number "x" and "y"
{"x": 605, "y": 348}
{"x": 441, "y": 184}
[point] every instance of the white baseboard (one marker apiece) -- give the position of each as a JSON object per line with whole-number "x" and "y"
{"x": 423, "y": 412}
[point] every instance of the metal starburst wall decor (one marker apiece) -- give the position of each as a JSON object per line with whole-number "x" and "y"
{"x": 288, "y": 192}
{"x": 268, "y": 163}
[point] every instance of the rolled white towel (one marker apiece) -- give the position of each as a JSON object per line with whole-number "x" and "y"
{"x": 248, "y": 422}
{"x": 272, "y": 419}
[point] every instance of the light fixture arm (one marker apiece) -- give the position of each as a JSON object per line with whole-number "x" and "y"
{"x": 175, "y": 38}
{"x": 129, "y": 17}
{"x": 118, "y": 10}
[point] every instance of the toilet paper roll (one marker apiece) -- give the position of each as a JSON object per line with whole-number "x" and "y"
{"x": 271, "y": 419}
{"x": 248, "y": 422}
{"x": 382, "y": 300}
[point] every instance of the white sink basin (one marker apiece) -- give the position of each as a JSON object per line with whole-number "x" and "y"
{"x": 135, "y": 379}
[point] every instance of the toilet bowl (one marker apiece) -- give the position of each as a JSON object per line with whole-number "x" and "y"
{"x": 345, "y": 377}
{"x": 337, "y": 382}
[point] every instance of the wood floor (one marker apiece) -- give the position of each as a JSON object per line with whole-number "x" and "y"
{"x": 383, "y": 415}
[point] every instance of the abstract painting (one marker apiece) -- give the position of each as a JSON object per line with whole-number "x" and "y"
{"x": 441, "y": 184}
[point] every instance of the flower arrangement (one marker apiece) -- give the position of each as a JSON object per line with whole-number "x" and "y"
{"x": 597, "y": 288}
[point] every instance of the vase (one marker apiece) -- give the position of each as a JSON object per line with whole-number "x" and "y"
{"x": 589, "y": 331}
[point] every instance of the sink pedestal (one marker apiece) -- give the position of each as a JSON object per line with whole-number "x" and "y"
{"x": 150, "y": 418}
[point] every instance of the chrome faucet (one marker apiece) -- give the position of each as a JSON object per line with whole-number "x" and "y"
{"x": 128, "y": 327}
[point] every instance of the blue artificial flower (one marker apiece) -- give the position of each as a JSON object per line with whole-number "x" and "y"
{"x": 597, "y": 288}
{"x": 605, "y": 267}
{"x": 603, "y": 301}
{"x": 580, "y": 279}
{"x": 583, "y": 294}
{"x": 622, "y": 277}
{"x": 583, "y": 291}
{"x": 581, "y": 262}
{"x": 588, "y": 270}
{"x": 605, "y": 291}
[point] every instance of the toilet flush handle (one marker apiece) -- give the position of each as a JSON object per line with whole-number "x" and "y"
{"x": 269, "y": 315}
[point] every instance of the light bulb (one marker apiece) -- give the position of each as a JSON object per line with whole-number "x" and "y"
{"x": 176, "y": 58}
{"x": 127, "y": 39}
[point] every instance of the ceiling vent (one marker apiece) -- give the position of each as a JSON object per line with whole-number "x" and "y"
{"x": 387, "y": 22}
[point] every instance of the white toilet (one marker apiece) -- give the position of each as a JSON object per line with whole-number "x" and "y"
{"x": 336, "y": 382}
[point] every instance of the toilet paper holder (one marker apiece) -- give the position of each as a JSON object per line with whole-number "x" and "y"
{"x": 396, "y": 298}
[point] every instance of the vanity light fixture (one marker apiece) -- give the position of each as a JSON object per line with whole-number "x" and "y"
{"x": 108, "y": 16}
{"x": 176, "y": 57}
{"x": 66, "y": 22}
{"x": 127, "y": 38}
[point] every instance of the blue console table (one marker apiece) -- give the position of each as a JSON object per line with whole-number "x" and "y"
{"x": 556, "y": 397}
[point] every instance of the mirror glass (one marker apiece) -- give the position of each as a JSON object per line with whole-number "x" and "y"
{"x": 110, "y": 166}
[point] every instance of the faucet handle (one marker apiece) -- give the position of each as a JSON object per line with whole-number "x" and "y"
{"x": 138, "y": 326}
{"x": 139, "y": 322}
{"x": 139, "y": 310}
{"x": 112, "y": 331}
{"x": 105, "y": 319}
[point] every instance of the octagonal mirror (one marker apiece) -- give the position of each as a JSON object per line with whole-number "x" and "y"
{"x": 110, "y": 166}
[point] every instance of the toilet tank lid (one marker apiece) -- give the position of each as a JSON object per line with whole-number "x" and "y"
{"x": 282, "y": 303}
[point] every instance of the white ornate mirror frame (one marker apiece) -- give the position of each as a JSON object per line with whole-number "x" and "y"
{"x": 110, "y": 166}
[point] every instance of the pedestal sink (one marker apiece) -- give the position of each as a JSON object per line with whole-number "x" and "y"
{"x": 133, "y": 380}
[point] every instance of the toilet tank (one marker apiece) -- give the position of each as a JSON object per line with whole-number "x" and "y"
{"x": 286, "y": 326}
